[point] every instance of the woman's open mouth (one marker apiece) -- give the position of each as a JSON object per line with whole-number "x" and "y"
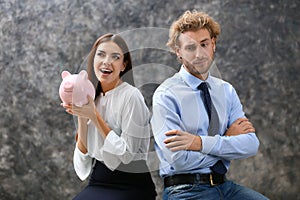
{"x": 106, "y": 71}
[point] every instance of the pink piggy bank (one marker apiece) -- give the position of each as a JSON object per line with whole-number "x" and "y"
{"x": 75, "y": 88}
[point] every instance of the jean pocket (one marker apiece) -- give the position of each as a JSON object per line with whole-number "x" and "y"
{"x": 177, "y": 190}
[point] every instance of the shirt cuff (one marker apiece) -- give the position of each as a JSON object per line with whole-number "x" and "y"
{"x": 208, "y": 143}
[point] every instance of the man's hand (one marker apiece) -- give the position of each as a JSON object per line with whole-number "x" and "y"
{"x": 240, "y": 126}
{"x": 180, "y": 140}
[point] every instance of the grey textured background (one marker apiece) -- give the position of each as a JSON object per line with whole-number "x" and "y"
{"x": 258, "y": 52}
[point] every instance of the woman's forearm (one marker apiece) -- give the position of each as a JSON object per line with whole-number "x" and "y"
{"x": 101, "y": 124}
{"x": 82, "y": 134}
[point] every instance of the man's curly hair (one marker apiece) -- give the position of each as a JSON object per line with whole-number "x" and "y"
{"x": 192, "y": 21}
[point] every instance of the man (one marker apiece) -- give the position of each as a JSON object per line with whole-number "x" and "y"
{"x": 198, "y": 122}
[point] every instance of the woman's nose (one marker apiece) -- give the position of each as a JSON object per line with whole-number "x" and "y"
{"x": 107, "y": 60}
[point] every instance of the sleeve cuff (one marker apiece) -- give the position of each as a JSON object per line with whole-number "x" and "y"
{"x": 208, "y": 143}
{"x": 82, "y": 164}
{"x": 114, "y": 144}
{"x": 82, "y": 155}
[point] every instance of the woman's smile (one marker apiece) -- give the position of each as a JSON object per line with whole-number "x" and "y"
{"x": 105, "y": 71}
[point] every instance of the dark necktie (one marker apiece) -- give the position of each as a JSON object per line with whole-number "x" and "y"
{"x": 206, "y": 98}
{"x": 213, "y": 124}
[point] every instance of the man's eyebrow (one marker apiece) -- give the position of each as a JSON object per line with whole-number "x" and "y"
{"x": 191, "y": 44}
{"x": 194, "y": 41}
{"x": 204, "y": 40}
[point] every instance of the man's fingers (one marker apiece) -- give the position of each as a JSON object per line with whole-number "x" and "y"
{"x": 173, "y": 144}
{"x": 174, "y": 138}
{"x": 247, "y": 125}
{"x": 242, "y": 120}
{"x": 180, "y": 147}
{"x": 171, "y": 132}
{"x": 170, "y": 139}
{"x": 177, "y": 148}
{"x": 250, "y": 129}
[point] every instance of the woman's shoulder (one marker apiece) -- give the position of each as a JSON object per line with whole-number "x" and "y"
{"x": 132, "y": 96}
{"x": 130, "y": 91}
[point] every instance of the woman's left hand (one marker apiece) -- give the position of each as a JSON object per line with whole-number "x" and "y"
{"x": 86, "y": 111}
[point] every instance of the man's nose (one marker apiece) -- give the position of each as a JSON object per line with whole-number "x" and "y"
{"x": 200, "y": 52}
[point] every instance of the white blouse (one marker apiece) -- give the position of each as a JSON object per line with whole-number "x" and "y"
{"x": 124, "y": 110}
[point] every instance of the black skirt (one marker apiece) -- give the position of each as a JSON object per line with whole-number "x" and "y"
{"x": 121, "y": 184}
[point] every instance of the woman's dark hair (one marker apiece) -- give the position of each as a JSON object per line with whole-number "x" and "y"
{"x": 126, "y": 75}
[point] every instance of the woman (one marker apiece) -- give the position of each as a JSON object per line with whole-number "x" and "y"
{"x": 113, "y": 131}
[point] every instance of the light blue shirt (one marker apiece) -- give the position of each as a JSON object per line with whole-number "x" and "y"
{"x": 177, "y": 104}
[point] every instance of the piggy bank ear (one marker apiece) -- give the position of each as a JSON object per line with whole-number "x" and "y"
{"x": 64, "y": 74}
{"x": 83, "y": 74}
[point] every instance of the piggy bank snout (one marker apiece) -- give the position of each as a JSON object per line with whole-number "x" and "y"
{"x": 75, "y": 88}
{"x": 68, "y": 87}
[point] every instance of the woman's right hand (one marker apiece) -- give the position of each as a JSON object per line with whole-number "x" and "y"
{"x": 87, "y": 111}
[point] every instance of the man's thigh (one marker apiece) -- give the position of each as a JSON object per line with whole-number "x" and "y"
{"x": 233, "y": 191}
{"x": 191, "y": 192}
{"x": 227, "y": 190}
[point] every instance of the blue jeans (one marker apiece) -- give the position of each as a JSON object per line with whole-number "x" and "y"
{"x": 226, "y": 191}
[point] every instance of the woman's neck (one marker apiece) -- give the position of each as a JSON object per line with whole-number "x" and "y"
{"x": 110, "y": 86}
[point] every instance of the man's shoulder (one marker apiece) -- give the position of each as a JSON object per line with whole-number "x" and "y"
{"x": 170, "y": 83}
{"x": 220, "y": 82}
{"x": 222, "y": 86}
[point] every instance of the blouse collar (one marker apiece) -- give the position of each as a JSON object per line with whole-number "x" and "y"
{"x": 114, "y": 90}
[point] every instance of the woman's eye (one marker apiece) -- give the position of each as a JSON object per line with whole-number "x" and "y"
{"x": 115, "y": 57}
{"x": 101, "y": 54}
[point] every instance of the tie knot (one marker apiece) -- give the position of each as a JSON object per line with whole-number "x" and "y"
{"x": 203, "y": 87}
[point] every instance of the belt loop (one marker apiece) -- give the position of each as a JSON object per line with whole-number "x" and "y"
{"x": 198, "y": 178}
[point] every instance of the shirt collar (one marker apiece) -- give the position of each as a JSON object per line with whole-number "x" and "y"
{"x": 191, "y": 80}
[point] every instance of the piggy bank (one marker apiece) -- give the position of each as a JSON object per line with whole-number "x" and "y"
{"x": 75, "y": 88}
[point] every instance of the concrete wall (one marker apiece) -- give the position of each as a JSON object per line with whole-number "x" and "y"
{"x": 258, "y": 52}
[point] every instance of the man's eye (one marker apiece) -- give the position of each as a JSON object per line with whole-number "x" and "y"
{"x": 191, "y": 48}
{"x": 204, "y": 44}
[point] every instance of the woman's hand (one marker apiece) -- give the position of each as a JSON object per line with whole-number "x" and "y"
{"x": 86, "y": 111}
{"x": 89, "y": 111}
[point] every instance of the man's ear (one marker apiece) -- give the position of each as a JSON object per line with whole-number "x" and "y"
{"x": 213, "y": 40}
{"x": 177, "y": 51}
